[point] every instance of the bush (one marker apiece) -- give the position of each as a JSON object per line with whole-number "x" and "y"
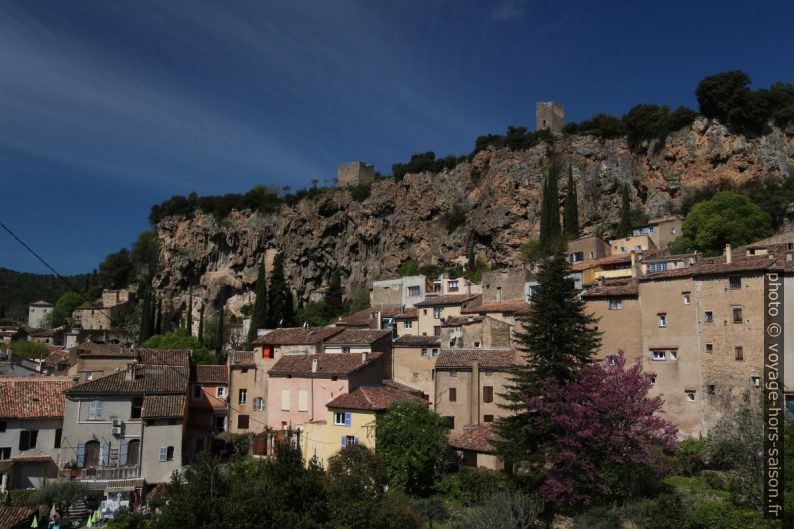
{"x": 425, "y": 162}
{"x": 690, "y": 456}
{"x": 666, "y": 511}
{"x": 408, "y": 268}
{"x": 717, "y": 515}
{"x": 598, "y": 518}
{"x": 504, "y": 509}
{"x": 361, "y": 192}
{"x": 472, "y": 486}
{"x": 454, "y": 218}
{"x": 20, "y": 497}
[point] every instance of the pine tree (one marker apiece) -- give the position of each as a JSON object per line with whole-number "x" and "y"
{"x": 571, "y": 209}
{"x": 557, "y": 341}
{"x": 334, "y": 304}
{"x": 259, "y": 315}
{"x": 625, "y": 213}
{"x": 280, "y": 308}
{"x": 550, "y": 213}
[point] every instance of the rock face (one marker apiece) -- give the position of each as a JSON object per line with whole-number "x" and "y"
{"x": 499, "y": 189}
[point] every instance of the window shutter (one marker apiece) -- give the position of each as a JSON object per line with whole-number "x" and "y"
{"x": 303, "y": 400}
{"x": 285, "y": 399}
{"x": 123, "y": 452}
{"x": 356, "y": 438}
{"x": 80, "y": 455}
{"x": 98, "y": 409}
{"x": 92, "y": 410}
{"x": 163, "y": 453}
{"x": 102, "y": 454}
{"x": 24, "y": 440}
{"x": 344, "y": 441}
{"x": 348, "y": 418}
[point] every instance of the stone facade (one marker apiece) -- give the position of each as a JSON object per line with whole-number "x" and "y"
{"x": 354, "y": 174}
{"x": 414, "y": 359}
{"x": 549, "y": 116}
{"x": 587, "y": 248}
{"x": 37, "y": 314}
{"x": 504, "y": 285}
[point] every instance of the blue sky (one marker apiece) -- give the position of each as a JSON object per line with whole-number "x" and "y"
{"x": 109, "y": 107}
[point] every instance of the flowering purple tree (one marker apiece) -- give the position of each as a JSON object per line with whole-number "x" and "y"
{"x": 607, "y": 438}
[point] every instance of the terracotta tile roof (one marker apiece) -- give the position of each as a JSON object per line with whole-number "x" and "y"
{"x": 608, "y": 260}
{"x": 505, "y": 307}
{"x": 612, "y": 291}
{"x": 475, "y": 439}
{"x": 357, "y": 337}
{"x": 457, "y": 321}
{"x": 171, "y": 357}
{"x": 32, "y": 397}
{"x": 44, "y": 333}
{"x": 57, "y": 358}
{"x": 212, "y": 374}
{"x": 137, "y": 379}
{"x": 297, "y": 336}
{"x": 242, "y": 359}
{"x": 155, "y": 406}
{"x": 488, "y": 358}
{"x": 409, "y": 340}
{"x": 363, "y": 317}
{"x": 714, "y": 266}
{"x": 372, "y": 398}
{"x": 341, "y": 364}
{"x": 407, "y": 314}
{"x": 101, "y": 349}
{"x": 450, "y": 299}
{"x": 11, "y": 517}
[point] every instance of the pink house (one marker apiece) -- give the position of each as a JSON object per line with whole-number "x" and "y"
{"x": 299, "y": 386}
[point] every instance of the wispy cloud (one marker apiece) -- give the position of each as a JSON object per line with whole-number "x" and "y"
{"x": 508, "y": 10}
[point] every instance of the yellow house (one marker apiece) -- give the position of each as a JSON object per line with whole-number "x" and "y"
{"x": 350, "y": 420}
{"x": 611, "y": 267}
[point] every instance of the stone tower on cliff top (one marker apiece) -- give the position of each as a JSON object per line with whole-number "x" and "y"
{"x": 354, "y": 173}
{"x": 550, "y": 116}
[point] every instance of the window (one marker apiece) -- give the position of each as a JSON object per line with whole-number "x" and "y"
{"x": 90, "y": 454}
{"x": 755, "y": 380}
{"x": 653, "y": 380}
{"x": 453, "y": 373}
{"x": 452, "y": 285}
{"x": 452, "y": 341}
{"x": 2, "y": 426}
{"x": 658, "y": 355}
{"x": 437, "y": 312}
{"x": 167, "y": 453}
{"x": 303, "y": 400}
{"x": 711, "y": 389}
{"x": 5, "y": 453}
{"x": 285, "y": 399}
{"x": 349, "y": 440}
{"x": 58, "y": 435}
{"x": 615, "y": 304}
{"x": 657, "y": 267}
{"x": 709, "y": 316}
{"x": 242, "y": 422}
{"x": 690, "y": 395}
{"x": 28, "y": 439}
{"x": 709, "y": 347}
{"x": 738, "y": 353}
{"x": 244, "y": 371}
{"x": 674, "y": 355}
{"x": 220, "y": 392}
{"x": 414, "y": 291}
{"x": 687, "y": 298}
{"x": 434, "y": 352}
{"x": 487, "y": 393}
{"x": 339, "y": 418}
{"x": 488, "y": 373}
{"x": 242, "y": 397}
{"x": 437, "y": 331}
{"x": 450, "y": 421}
{"x": 662, "y": 319}
{"x": 259, "y": 403}
{"x": 218, "y": 423}
{"x": 734, "y": 282}
{"x": 89, "y": 375}
{"x": 487, "y": 418}
{"x": 95, "y": 410}
{"x": 453, "y": 395}
{"x": 476, "y": 344}
{"x": 424, "y": 351}
{"x": 137, "y": 408}
{"x": 409, "y": 324}
{"x": 577, "y": 256}
{"x": 737, "y": 315}
{"x": 196, "y": 392}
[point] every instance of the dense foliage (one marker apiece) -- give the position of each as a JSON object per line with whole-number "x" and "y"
{"x": 550, "y": 240}
{"x": 63, "y": 308}
{"x": 18, "y": 289}
{"x": 29, "y": 350}
{"x": 259, "y": 310}
{"x": 570, "y": 215}
{"x": 454, "y": 218}
{"x": 280, "y": 307}
{"x": 179, "y": 339}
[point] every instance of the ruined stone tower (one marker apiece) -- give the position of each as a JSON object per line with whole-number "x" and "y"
{"x": 354, "y": 173}
{"x": 549, "y": 115}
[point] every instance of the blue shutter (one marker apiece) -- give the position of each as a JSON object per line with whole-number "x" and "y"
{"x": 344, "y": 441}
{"x": 348, "y": 418}
{"x": 163, "y": 454}
{"x": 80, "y": 455}
{"x": 99, "y": 410}
{"x": 92, "y": 410}
{"x": 357, "y": 442}
{"x": 105, "y": 456}
{"x": 123, "y": 453}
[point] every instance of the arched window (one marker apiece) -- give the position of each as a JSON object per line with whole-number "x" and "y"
{"x": 92, "y": 454}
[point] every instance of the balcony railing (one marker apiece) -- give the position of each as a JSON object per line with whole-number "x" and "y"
{"x": 108, "y": 473}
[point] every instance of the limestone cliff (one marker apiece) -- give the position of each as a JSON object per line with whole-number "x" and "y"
{"x": 500, "y": 190}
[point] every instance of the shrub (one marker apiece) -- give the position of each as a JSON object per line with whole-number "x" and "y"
{"x": 717, "y": 515}
{"x": 361, "y": 192}
{"x": 598, "y": 518}
{"x": 472, "y": 486}
{"x": 424, "y": 162}
{"x": 504, "y": 509}
{"x": 666, "y": 511}
{"x": 454, "y": 218}
{"x": 408, "y": 268}
{"x": 690, "y": 456}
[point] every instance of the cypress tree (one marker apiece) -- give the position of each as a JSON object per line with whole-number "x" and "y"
{"x": 624, "y": 227}
{"x": 571, "y": 209}
{"x": 201, "y": 324}
{"x": 334, "y": 304}
{"x": 550, "y": 212}
{"x": 158, "y": 322}
{"x": 144, "y": 332}
{"x": 259, "y": 315}
{"x": 189, "y": 322}
{"x": 280, "y": 309}
{"x": 558, "y": 339}
{"x": 219, "y": 344}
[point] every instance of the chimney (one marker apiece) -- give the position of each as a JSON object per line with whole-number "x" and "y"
{"x": 728, "y": 256}
{"x": 364, "y": 357}
{"x": 314, "y": 365}
{"x": 379, "y": 322}
{"x": 633, "y": 264}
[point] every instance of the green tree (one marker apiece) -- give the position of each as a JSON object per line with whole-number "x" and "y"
{"x": 454, "y": 218}
{"x": 571, "y": 209}
{"x": 727, "y": 218}
{"x": 409, "y": 267}
{"x": 624, "y": 226}
{"x": 280, "y": 309}
{"x": 64, "y": 308}
{"x": 144, "y": 255}
{"x": 29, "y": 350}
{"x": 550, "y": 235}
{"x": 333, "y": 303}
{"x": 189, "y": 317}
{"x": 62, "y": 494}
{"x": 727, "y": 97}
{"x": 559, "y": 339}
{"x": 179, "y": 339}
{"x": 412, "y": 441}
{"x": 259, "y": 312}
{"x": 115, "y": 271}
{"x": 147, "y": 316}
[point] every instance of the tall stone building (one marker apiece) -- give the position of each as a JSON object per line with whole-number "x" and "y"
{"x": 549, "y": 116}
{"x": 354, "y": 173}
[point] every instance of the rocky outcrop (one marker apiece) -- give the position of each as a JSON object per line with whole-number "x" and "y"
{"x": 499, "y": 189}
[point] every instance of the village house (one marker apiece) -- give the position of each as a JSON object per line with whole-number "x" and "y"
{"x": 350, "y": 419}
{"x": 207, "y": 407}
{"x": 469, "y": 384}
{"x": 300, "y": 386}
{"x": 406, "y": 323}
{"x": 613, "y": 267}
{"x": 587, "y": 248}
{"x": 402, "y": 292}
{"x": 248, "y": 391}
{"x": 413, "y": 360}
{"x": 89, "y": 360}
{"x": 505, "y": 284}
{"x": 379, "y": 316}
{"x": 38, "y": 313}
{"x": 659, "y": 261}
{"x": 431, "y": 311}
{"x": 445, "y": 285}
{"x": 475, "y": 447}
{"x": 31, "y": 422}
{"x": 662, "y": 231}
{"x": 632, "y": 243}
{"x": 47, "y": 336}
{"x": 475, "y": 331}
{"x": 56, "y": 363}
{"x": 9, "y": 333}
{"x": 363, "y": 341}
{"x": 127, "y": 429}
{"x": 617, "y": 309}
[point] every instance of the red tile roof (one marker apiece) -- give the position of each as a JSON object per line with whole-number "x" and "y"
{"x": 341, "y": 364}
{"x": 100, "y": 349}
{"x": 171, "y": 357}
{"x": 363, "y": 317}
{"x": 715, "y": 266}
{"x": 11, "y": 517}
{"x": 463, "y": 358}
{"x": 242, "y": 359}
{"x": 212, "y": 374}
{"x": 476, "y": 439}
{"x": 505, "y": 307}
{"x": 612, "y": 291}
{"x": 297, "y": 336}
{"x": 407, "y": 314}
{"x": 608, "y": 260}
{"x": 159, "y": 406}
{"x": 57, "y": 358}
{"x": 357, "y": 337}
{"x": 32, "y": 397}
{"x": 372, "y": 398}
{"x": 409, "y": 340}
{"x": 457, "y": 321}
{"x": 137, "y": 379}
{"x": 450, "y": 299}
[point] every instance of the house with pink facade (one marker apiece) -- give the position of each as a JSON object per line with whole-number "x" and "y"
{"x": 299, "y": 386}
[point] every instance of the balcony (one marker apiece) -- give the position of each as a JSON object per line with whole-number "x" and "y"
{"x": 613, "y": 274}
{"x": 109, "y": 473}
